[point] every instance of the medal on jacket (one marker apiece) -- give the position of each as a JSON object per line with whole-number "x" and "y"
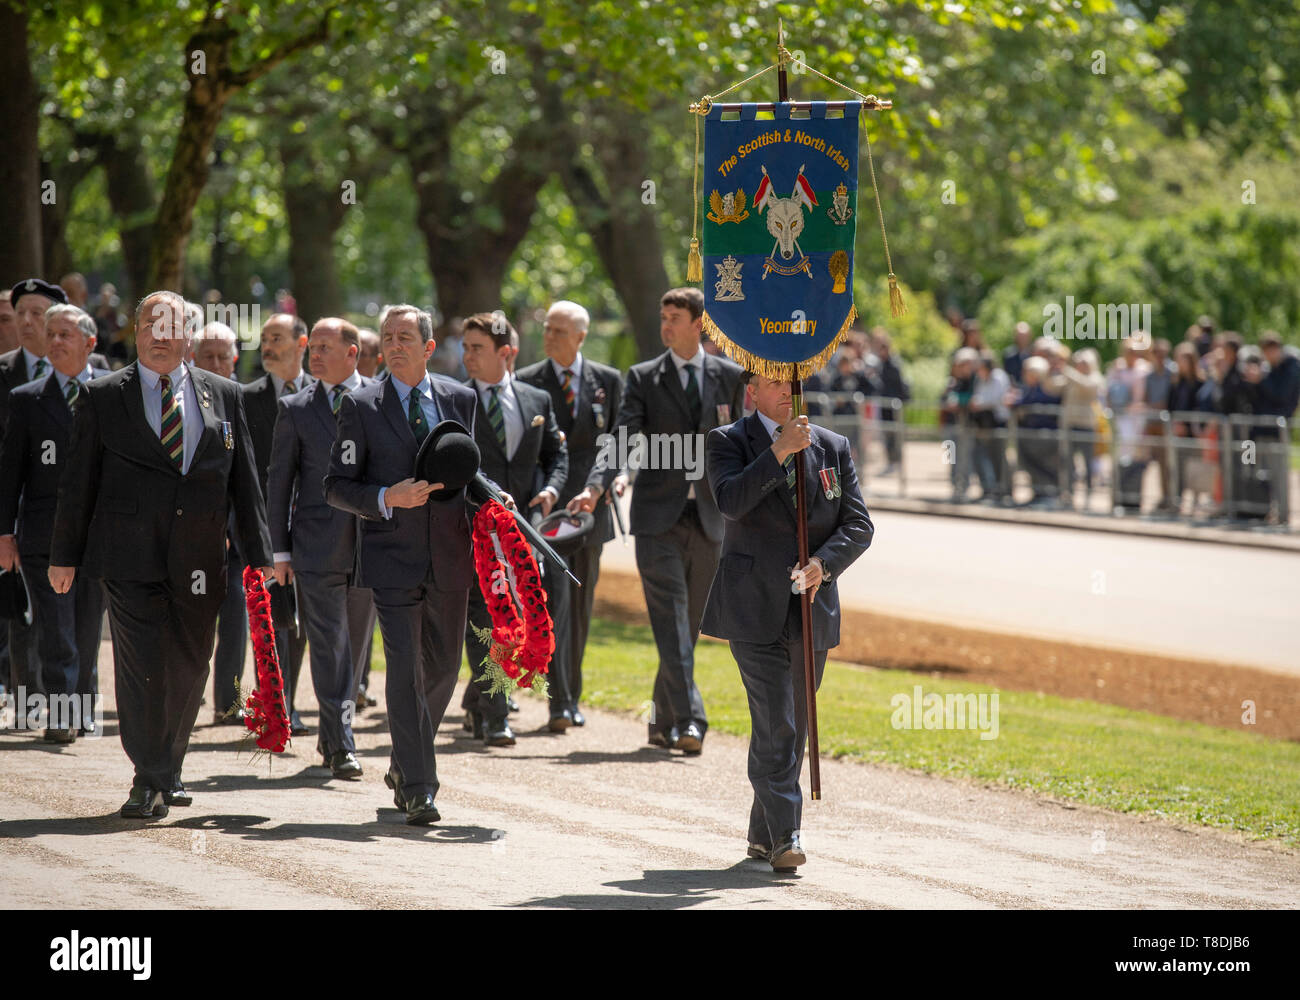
{"x": 724, "y": 413}
{"x": 207, "y": 398}
{"x": 227, "y": 435}
{"x": 830, "y": 482}
{"x": 598, "y": 406}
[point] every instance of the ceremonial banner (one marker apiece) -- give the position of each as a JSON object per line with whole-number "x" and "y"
{"x": 778, "y": 237}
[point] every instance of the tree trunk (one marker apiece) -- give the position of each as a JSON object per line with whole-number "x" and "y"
{"x": 624, "y": 229}
{"x": 133, "y": 199}
{"x": 67, "y": 176}
{"x": 314, "y": 208}
{"x": 20, "y": 165}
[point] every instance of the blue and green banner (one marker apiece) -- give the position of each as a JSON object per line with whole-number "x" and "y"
{"x": 782, "y": 197}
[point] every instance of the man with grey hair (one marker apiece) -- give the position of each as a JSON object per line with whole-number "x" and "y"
{"x": 216, "y": 350}
{"x": 160, "y": 454}
{"x": 586, "y": 398}
{"x": 34, "y": 452}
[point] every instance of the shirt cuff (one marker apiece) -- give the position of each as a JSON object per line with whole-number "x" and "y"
{"x": 555, "y": 494}
{"x": 282, "y": 557}
{"x": 384, "y": 508}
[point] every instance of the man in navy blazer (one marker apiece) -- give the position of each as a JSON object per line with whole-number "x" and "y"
{"x": 32, "y": 457}
{"x": 315, "y": 544}
{"x": 750, "y": 465}
{"x": 414, "y": 547}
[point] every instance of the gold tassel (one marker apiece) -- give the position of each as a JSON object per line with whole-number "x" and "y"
{"x": 694, "y": 265}
{"x": 896, "y": 306}
{"x": 777, "y": 369}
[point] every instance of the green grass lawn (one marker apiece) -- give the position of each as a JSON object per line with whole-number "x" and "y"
{"x": 1084, "y": 751}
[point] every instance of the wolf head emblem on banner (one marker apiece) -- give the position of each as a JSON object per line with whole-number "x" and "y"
{"x": 785, "y": 215}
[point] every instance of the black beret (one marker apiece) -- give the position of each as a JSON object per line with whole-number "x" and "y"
{"x": 36, "y": 286}
{"x": 566, "y": 532}
{"x": 448, "y": 456}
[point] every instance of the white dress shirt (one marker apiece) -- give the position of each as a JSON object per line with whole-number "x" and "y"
{"x": 186, "y": 398}
{"x": 428, "y": 406}
{"x": 511, "y": 414}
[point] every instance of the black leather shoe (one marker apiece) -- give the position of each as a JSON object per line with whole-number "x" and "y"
{"x": 560, "y": 721}
{"x": 578, "y": 718}
{"x": 370, "y": 700}
{"x": 420, "y": 811}
{"x": 178, "y": 796}
{"x": 658, "y": 740}
{"x": 500, "y": 735}
{"x": 787, "y": 856}
{"x": 690, "y": 741}
{"x": 144, "y": 803}
{"x": 87, "y": 728}
{"x": 296, "y": 726}
{"x": 395, "y": 783}
{"x": 344, "y": 764}
{"x": 759, "y": 852}
{"x": 473, "y": 723}
{"x": 61, "y": 736}
{"x": 512, "y": 705}
{"x": 235, "y": 718}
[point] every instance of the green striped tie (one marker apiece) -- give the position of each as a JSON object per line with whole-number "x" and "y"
{"x": 693, "y": 395}
{"x": 788, "y": 465}
{"x": 171, "y": 432}
{"x": 40, "y": 368}
{"x": 337, "y": 401}
{"x": 496, "y": 416}
{"x": 71, "y": 391}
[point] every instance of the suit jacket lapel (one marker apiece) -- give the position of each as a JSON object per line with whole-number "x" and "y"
{"x": 319, "y": 404}
{"x": 392, "y": 408}
{"x": 670, "y": 378}
{"x": 489, "y": 436}
{"x": 709, "y": 392}
{"x": 211, "y": 425}
{"x": 55, "y": 403}
{"x": 133, "y": 388}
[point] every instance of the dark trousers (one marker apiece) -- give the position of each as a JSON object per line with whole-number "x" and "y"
{"x": 289, "y": 649}
{"x": 65, "y": 630}
{"x": 559, "y": 602}
{"x": 331, "y": 613}
{"x": 676, "y": 569}
{"x": 162, "y": 639}
{"x": 585, "y": 564}
{"x": 423, "y": 630}
{"x": 24, "y": 667}
{"x": 232, "y": 637}
{"x": 773, "y": 676}
{"x": 495, "y": 707}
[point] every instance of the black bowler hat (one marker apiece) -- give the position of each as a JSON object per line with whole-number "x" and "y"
{"x": 448, "y": 456}
{"x": 35, "y": 286}
{"x": 566, "y": 533}
{"x": 15, "y": 604}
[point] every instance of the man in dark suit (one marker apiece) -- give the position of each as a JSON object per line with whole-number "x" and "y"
{"x": 414, "y": 546}
{"x": 160, "y": 455}
{"x": 522, "y": 449}
{"x": 751, "y": 469}
{"x": 283, "y": 343}
{"x": 35, "y": 450}
{"x": 315, "y": 544}
{"x": 586, "y": 396}
{"x": 677, "y": 397}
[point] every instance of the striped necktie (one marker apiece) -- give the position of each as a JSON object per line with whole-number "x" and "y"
{"x": 290, "y": 387}
{"x": 567, "y": 386}
{"x": 40, "y": 368}
{"x": 337, "y": 401}
{"x": 788, "y": 465}
{"x": 71, "y": 391}
{"x": 171, "y": 431}
{"x": 496, "y": 416}
{"x": 415, "y": 416}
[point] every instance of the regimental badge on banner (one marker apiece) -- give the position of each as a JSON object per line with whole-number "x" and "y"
{"x": 778, "y": 271}
{"x": 830, "y": 482}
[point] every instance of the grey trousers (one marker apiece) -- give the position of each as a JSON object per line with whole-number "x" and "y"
{"x": 676, "y": 569}
{"x": 337, "y": 619}
{"x": 774, "y": 682}
{"x": 424, "y": 632}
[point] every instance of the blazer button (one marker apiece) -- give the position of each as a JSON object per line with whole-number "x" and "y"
{"x": 178, "y": 512}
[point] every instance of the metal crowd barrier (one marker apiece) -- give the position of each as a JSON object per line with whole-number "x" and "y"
{"x": 1235, "y": 466}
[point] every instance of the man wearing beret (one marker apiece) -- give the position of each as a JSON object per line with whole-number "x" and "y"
{"x": 414, "y": 548}
{"x": 160, "y": 455}
{"x": 65, "y": 627}
{"x": 750, "y": 465}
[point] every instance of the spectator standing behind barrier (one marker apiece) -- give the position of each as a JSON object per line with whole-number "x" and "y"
{"x": 1277, "y": 394}
{"x": 1158, "y": 384}
{"x": 956, "y": 408}
{"x": 989, "y": 414}
{"x": 1184, "y": 396}
{"x": 1013, "y": 358}
{"x": 1126, "y": 397}
{"x": 1036, "y": 443}
{"x": 891, "y": 385}
{"x": 1079, "y": 398}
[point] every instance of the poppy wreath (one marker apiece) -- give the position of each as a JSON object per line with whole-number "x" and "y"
{"x": 519, "y": 646}
{"x": 265, "y": 713}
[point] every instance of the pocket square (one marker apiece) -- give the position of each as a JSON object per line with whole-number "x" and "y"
{"x": 538, "y": 420}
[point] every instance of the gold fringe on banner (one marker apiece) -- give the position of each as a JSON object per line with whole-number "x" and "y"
{"x": 777, "y": 369}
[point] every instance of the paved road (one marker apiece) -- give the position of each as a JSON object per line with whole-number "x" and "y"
{"x": 588, "y": 819}
{"x": 1181, "y": 598}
